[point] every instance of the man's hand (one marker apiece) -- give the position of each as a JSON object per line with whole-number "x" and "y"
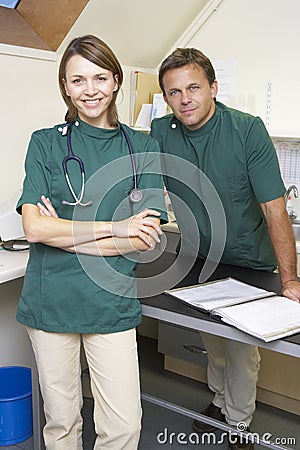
{"x": 291, "y": 289}
{"x": 283, "y": 241}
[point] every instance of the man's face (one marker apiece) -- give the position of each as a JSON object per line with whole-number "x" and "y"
{"x": 189, "y": 95}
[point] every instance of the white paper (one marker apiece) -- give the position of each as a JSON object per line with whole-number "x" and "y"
{"x": 144, "y": 117}
{"x": 267, "y": 318}
{"x": 219, "y": 293}
{"x": 255, "y": 311}
{"x": 159, "y": 106}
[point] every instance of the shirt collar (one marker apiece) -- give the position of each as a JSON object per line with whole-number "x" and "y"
{"x": 100, "y": 133}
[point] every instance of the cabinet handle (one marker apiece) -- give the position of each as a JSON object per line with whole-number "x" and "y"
{"x": 194, "y": 349}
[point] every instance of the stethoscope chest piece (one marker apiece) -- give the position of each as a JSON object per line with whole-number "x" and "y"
{"x": 135, "y": 195}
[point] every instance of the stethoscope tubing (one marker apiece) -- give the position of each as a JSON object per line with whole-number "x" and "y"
{"x": 135, "y": 195}
{"x": 134, "y": 171}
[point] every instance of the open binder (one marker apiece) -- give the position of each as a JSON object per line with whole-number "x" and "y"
{"x": 255, "y": 311}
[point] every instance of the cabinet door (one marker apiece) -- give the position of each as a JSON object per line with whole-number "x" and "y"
{"x": 181, "y": 343}
{"x": 279, "y": 373}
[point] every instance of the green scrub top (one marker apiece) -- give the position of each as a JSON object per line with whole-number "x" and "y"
{"x": 65, "y": 292}
{"x": 235, "y": 152}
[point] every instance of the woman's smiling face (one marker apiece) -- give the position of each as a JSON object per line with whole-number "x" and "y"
{"x": 90, "y": 89}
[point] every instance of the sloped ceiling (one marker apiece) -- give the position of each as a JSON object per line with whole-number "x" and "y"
{"x": 140, "y": 32}
{"x": 40, "y": 24}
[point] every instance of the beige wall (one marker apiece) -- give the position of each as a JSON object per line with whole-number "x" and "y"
{"x": 29, "y": 100}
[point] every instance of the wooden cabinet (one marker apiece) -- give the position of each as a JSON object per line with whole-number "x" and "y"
{"x": 278, "y": 383}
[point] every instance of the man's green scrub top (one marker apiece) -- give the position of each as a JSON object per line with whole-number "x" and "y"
{"x": 66, "y": 292}
{"x": 234, "y": 151}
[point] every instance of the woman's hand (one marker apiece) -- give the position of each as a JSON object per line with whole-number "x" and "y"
{"x": 140, "y": 225}
{"x": 46, "y": 209}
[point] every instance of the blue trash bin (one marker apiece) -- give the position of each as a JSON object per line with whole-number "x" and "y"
{"x": 15, "y": 405}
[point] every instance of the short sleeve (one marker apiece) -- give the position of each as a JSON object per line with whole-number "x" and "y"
{"x": 263, "y": 166}
{"x": 37, "y": 171}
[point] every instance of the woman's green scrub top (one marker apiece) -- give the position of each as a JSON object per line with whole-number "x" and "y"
{"x": 67, "y": 292}
{"x": 235, "y": 153}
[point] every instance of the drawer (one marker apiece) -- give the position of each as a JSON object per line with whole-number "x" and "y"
{"x": 181, "y": 343}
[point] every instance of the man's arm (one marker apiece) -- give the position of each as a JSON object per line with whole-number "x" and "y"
{"x": 283, "y": 241}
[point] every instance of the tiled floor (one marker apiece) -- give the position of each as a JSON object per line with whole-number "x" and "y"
{"x": 161, "y": 428}
{"x": 195, "y": 396}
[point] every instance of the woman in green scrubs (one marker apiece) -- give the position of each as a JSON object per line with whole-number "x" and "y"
{"x": 79, "y": 285}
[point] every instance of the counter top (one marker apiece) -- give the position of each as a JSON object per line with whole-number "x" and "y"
{"x": 172, "y": 227}
{"x": 171, "y": 310}
{"x": 12, "y": 264}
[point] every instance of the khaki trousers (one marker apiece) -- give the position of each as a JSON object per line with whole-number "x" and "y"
{"x": 232, "y": 374}
{"x": 113, "y": 365}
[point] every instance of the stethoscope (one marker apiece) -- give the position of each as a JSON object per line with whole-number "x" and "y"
{"x": 135, "y": 195}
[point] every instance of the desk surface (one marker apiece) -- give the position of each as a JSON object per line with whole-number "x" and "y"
{"x": 12, "y": 264}
{"x": 171, "y": 310}
{"x": 163, "y": 307}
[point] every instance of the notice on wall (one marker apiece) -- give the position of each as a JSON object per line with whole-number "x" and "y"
{"x": 226, "y": 76}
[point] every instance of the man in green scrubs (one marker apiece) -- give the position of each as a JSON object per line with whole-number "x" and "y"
{"x": 233, "y": 152}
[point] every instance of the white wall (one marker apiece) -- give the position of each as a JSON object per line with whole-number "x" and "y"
{"x": 262, "y": 37}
